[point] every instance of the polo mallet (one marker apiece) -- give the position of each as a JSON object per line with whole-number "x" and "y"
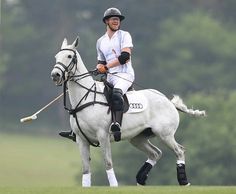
{"x": 34, "y": 116}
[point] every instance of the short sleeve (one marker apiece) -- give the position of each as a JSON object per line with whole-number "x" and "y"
{"x": 126, "y": 41}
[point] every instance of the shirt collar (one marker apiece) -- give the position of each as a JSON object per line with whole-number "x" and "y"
{"x": 114, "y": 35}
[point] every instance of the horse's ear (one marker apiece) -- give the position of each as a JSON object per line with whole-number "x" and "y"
{"x": 64, "y": 43}
{"x": 76, "y": 42}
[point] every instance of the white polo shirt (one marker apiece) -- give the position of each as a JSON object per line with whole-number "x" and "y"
{"x": 108, "y": 49}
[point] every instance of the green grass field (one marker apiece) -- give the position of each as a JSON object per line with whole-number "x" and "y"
{"x": 46, "y": 165}
{"x": 39, "y": 161}
{"x": 121, "y": 190}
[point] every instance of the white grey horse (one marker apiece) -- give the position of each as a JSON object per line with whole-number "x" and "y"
{"x": 153, "y": 115}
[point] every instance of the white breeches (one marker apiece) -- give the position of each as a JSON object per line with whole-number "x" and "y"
{"x": 121, "y": 80}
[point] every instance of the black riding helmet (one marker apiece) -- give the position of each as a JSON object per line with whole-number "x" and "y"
{"x": 112, "y": 12}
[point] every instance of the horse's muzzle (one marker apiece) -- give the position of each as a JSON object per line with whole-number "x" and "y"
{"x": 56, "y": 77}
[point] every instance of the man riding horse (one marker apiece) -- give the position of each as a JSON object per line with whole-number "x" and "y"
{"x": 114, "y": 59}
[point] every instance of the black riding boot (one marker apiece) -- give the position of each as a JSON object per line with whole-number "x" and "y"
{"x": 68, "y": 134}
{"x": 116, "y": 124}
{"x": 117, "y": 113}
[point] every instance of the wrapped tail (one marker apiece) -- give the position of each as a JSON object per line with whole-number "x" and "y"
{"x": 179, "y": 104}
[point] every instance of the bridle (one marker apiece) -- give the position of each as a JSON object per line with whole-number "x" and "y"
{"x": 66, "y": 69}
{"x": 75, "y": 78}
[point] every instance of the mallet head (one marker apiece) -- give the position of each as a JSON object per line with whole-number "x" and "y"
{"x": 27, "y": 119}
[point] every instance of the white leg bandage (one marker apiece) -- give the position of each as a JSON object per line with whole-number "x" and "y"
{"x": 86, "y": 180}
{"x": 152, "y": 162}
{"x": 180, "y": 162}
{"x": 112, "y": 178}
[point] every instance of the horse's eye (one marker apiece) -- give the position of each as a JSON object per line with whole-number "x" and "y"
{"x": 69, "y": 56}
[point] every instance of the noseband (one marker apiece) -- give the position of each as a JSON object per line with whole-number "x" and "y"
{"x": 62, "y": 67}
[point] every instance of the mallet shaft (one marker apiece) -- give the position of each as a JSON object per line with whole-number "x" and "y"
{"x": 34, "y": 116}
{"x": 39, "y": 111}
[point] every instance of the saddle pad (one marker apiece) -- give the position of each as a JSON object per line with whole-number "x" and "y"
{"x": 137, "y": 102}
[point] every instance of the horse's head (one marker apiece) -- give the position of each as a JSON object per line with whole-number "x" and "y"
{"x": 66, "y": 60}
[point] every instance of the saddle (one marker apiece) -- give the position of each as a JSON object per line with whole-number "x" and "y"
{"x": 134, "y": 102}
{"x": 108, "y": 94}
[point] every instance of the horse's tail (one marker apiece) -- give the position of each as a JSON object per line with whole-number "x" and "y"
{"x": 179, "y": 104}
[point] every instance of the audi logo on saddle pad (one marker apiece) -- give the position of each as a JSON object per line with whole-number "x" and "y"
{"x": 135, "y": 106}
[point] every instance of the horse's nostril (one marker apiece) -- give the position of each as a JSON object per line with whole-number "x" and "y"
{"x": 55, "y": 76}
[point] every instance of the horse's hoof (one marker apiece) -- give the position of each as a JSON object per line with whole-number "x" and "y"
{"x": 188, "y": 184}
{"x": 139, "y": 184}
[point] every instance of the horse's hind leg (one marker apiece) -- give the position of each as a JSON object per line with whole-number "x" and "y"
{"x": 179, "y": 152}
{"x": 142, "y": 143}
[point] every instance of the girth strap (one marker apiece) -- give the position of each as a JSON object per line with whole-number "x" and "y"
{"x": 77, "y": 109}
{"x": 81, "y": 131}
{"x": 74, "y": 111}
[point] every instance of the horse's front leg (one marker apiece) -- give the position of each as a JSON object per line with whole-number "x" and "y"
{"x": 104, "y": 140}
{"x": 85, "y": 156}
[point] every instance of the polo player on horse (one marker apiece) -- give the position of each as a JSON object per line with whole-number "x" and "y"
{"x": 114, "y": 59}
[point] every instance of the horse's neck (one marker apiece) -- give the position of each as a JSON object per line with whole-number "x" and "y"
{"x": 76, "y": 92}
